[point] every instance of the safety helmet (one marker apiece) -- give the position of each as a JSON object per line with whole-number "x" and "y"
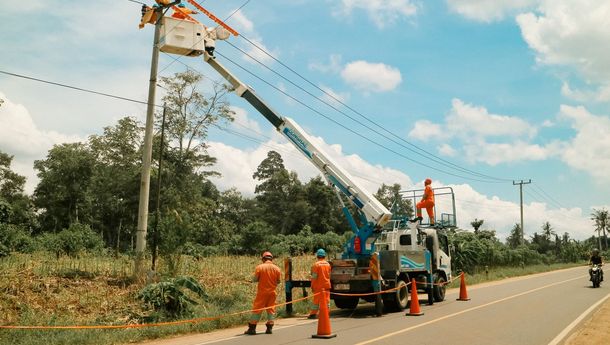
{"x": 181, "y": 5}
{"x": 595, "y": 251}
{"x": 267, "y": 256}
{"x": 321, "y": 253}
{"x": 427, "y": 182}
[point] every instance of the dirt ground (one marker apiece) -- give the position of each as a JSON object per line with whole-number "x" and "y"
{"x": 594, "y": 331}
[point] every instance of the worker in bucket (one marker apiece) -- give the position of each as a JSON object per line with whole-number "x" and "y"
{"x": 268, "y": 276}
{"x": 181, "y": 12}
{"x": 320, "y": 283}
{"x": 427, "y": 202}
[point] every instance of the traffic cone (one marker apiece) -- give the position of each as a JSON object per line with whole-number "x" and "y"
{"x": 463, "y": 293}
{"x": 414, "y": 305}
{"x": 324, "y": 331}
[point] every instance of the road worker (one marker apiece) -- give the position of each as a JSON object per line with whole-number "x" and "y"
{"x": 268, "y": 276}
{"x": 149, "y": 16}
{"x": 320, "y": 283}
{"x": 427, "y": 202}
{"x": 181, "y": 12}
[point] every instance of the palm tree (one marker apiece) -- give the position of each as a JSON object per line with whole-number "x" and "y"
{"x": 476, "y": 224}
{"x": 602, "y": 223}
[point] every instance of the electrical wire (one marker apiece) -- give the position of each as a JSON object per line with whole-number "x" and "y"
{"x": 349, "y": 129}
{"x": 75, "y": 88}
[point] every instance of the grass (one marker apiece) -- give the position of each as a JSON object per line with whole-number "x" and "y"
{"x": 43, "y": 290}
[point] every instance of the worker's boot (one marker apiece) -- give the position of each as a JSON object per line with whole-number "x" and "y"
{"x": 269, "y": 328}
{"x": 251, "y": 329}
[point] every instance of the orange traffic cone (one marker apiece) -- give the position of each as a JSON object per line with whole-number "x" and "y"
{"x": 463, "y": 293}
{"x": 324, "y": 331}
{"x": 414, "y": 305}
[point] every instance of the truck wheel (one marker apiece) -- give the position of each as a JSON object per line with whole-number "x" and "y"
{"x": 347, "y": 303}
{"x": 401, "y": 297}
{"x": 439, "y": 288}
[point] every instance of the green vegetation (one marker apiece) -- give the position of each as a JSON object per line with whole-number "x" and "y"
{"x": 66, "y": 251}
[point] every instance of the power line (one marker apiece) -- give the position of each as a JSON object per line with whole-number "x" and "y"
{"x": 431, "y": 156}
{"x": 74, "y": 87}
{"x": 347, "y": 128}
{"x": 416, "y": 149}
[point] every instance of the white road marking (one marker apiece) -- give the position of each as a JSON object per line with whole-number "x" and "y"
{"x": 242, "y": 335}
{"x": 575, "y": 323}
{"x": 464, "y": 311}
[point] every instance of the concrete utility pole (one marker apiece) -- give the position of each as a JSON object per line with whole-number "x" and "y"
{"x": 147, "y": 155}
{"x": 521, "y": 183}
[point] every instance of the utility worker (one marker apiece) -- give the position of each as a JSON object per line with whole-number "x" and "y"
{"x": 149, "y": 16}
{"x": 596, "y": 259}
{"x": 427, "y": 202}
{"x": 181, "y": 12}
{"x": 268, "y": 276}
{"x": 320, "y": 282}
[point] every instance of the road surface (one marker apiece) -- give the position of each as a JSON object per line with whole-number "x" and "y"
{"x": 537, "y": 309}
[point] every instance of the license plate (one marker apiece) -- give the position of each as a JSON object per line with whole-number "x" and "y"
{"x": 341, "y": 286}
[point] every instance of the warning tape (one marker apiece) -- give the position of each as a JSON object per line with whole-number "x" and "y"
{"x": 157, "y": 324}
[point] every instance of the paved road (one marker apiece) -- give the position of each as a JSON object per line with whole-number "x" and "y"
{"x": 537, "y": 309}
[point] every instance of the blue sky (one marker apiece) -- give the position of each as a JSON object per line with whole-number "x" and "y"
{"x": 509, "y": 89}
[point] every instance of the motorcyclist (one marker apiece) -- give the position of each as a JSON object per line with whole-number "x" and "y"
{"x": 596, "y": 259}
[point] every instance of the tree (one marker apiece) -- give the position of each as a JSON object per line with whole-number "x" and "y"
{"x": 391, "y": 198}
{"x": 280, "y": 197}
{"x": 190, "y": 113}
{"x": 115, "y": 179}
{"x": 16, "y": 207}
{"x": 476, "y": 224}
{"x": 324, "y": 208}
{"x": 64, "y": 191}
{"x": 602, "y": 223}
{"x": 514, "y": 239}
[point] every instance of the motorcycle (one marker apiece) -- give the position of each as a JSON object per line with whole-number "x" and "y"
{"x": 596, "y": 275}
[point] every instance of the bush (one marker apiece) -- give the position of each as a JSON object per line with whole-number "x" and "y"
{"x": 171, "y": 296}
{"x": 75, "y": 240}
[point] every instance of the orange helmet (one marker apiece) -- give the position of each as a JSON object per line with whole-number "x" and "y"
{"x": 427, "y": 182}
{"x": 267, "y": 256}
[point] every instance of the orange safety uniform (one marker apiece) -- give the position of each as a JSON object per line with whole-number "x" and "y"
{"x": 427, "y": 202}
{"x": 182, "y": 13}
{"x": 320, "y": 281}
{"x": 268, "y": 276}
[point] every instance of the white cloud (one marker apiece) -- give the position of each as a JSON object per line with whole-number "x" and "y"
{"x": 468, "y": 120}
{"x": 245, "y": 25}
{"x": 333, "y": 66}
{"x": 588, "y": 149}
{"x": 382, "y": 12}
{"x": 238, "y": 166}
{"x": 242, "y": 120}
{"x": 496, "y": 153}
{"x": 601, "y": 94}
{"x": 425, "y": 130}
{"x": 477, "y": 129}
{"x": 371, "y": 77}
{"x": 447, "y": 150}
{"x": 571, "y": 33}
{"x": 19, "y": 136}
{"x": 332, "y": 97}
{"x": 489, "y": 10}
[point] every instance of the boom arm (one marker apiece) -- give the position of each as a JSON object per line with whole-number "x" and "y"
{"x": 375, "y": 213}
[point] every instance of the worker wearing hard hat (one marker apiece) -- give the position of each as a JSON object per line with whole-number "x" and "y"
{"x": 182, "y": 12}
{"x": 427, "y": 202}
{"x": 320, "y": 283}
{"x": 268, "y": 276}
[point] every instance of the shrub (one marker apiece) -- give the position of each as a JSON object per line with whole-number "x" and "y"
{"x": 171, "y": 296}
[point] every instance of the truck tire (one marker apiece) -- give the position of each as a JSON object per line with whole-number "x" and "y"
{"x": 347, "y": 303}
{"x": 398, "y": 300}
{"x": 439, "y": 288}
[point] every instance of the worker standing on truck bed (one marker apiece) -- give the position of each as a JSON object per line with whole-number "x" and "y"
{"x": 427, "y": 202}
{"x": 268, "y": 276}
{"x": 320, "y": 283}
